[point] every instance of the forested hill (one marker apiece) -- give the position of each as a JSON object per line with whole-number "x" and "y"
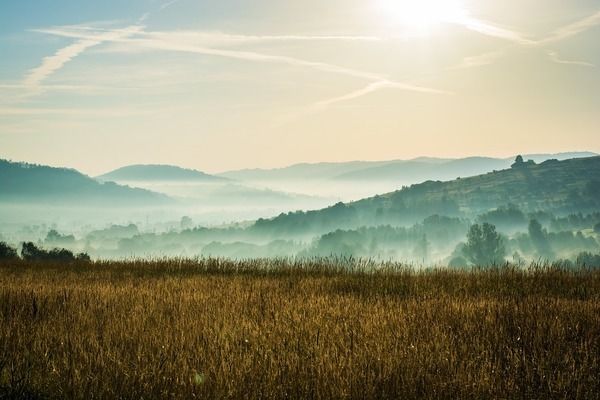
{"x": 29, "y": 183}
{"x": 560, "y": 187}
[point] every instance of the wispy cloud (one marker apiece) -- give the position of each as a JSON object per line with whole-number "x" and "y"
{"x": 562, "y": 33}
{"x": 219, "y": 44}
{"x": 256, "y": 57}
{"x": 165, "y": 43}
{"x": 168, "y": 4}
{"x": 208, "y": 38}
{"x": 373, "y": 87}
{"x": 518, "y": 39}
{"x": 51, "y": 64}
{"x": 554, "y": 56}
{"x": 220, "y": 39}
{"x": 55, "y": 62}
{"x": 572, "y": 29}
{"x": 164, "y": 6}
{"x": 489, "y": 29}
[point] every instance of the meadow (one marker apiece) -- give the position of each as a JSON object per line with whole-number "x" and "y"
{"x": 296, "y": 329}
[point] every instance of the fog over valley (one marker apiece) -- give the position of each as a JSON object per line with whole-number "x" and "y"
{"x": 542, "y": 207}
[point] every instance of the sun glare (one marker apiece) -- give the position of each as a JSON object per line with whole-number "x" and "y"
{"x": 420, "y": 16}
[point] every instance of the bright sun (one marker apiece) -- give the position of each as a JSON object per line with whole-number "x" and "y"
{"x": 419, "y": 16}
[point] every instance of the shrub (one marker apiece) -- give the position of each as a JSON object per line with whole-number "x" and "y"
{"x": 83, "y": 257}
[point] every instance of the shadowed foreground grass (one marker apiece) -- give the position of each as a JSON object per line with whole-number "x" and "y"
{"x": 310, "y": 329}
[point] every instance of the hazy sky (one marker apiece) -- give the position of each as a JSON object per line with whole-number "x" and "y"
{"x": 226, "y": 84}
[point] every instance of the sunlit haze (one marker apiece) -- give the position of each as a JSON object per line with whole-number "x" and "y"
{"x": 221, "y": 85}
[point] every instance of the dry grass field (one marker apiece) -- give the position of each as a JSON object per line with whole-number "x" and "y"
{"x": 317, "y": 329}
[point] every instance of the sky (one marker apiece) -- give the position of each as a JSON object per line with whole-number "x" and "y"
{"x": 230, "y": 84}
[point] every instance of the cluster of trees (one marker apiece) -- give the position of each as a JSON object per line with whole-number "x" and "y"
{"x": 507, "y": 218}
{"x": 31, "y": 252}
{"x": 486, "y": 247}
{"x": 428, "y": 240}
{"x": 575, "y": 221}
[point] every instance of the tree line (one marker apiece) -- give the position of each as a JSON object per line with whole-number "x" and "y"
{"x": 31, "y": 252}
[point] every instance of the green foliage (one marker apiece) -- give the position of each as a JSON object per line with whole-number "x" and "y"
{"x": 7, "y": 253}
{"x": 552, "y": 187}
{"x": 30, "y": 252}
{"x": 338, "y": 216}
{"x": 505, "y": 218}
{"x": 434, "y": 235}
{"x": 539, "y": 238}
{"x": 571, "y": 222}
{"x": 484, "y": 246}
{"x": 597, "y": 228}
{"x": 518, "y": 160}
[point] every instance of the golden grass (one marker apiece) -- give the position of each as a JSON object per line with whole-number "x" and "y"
{"x": 304, "y": 330}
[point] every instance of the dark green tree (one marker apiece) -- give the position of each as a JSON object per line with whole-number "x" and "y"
{"x": 518, "y": 162}
{"x": 539, "y": 239}
{"x": 597, "y": 228}
{"x": 484, "y": 246}
{"x": 7, "y": 253}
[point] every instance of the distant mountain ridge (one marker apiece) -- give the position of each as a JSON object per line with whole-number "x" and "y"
{"x": 32, "y": 183}
{"x": 325, "y": 170}
{"x": 155, "y": 172}
{"x": 414, "y": 170}
{"x": 196, "y": 187}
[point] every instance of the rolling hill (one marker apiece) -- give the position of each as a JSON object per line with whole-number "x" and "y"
{"x": 420, "y": 171}
{"x": 304, "y": 171}
{"x": 554, "y": 186}
{"x": 401, "y": 171}
{"x": 162, "y": 173}
{"x": 195, "y": 188}
{"x": 23, "y": 183}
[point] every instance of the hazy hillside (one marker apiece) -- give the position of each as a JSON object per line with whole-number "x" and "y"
{"x": 419, "y": 170}
{"x": 558, "y": 186}
{"x": 196, "y": 188}
{"x": 28, "y": 183}
{"x": 166, "y": 173}
{"x": 426, "y": 221}
{"x": 304, "y": 171}
{"x": 554, "y": 186}
{"x": 415, "y": 170}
